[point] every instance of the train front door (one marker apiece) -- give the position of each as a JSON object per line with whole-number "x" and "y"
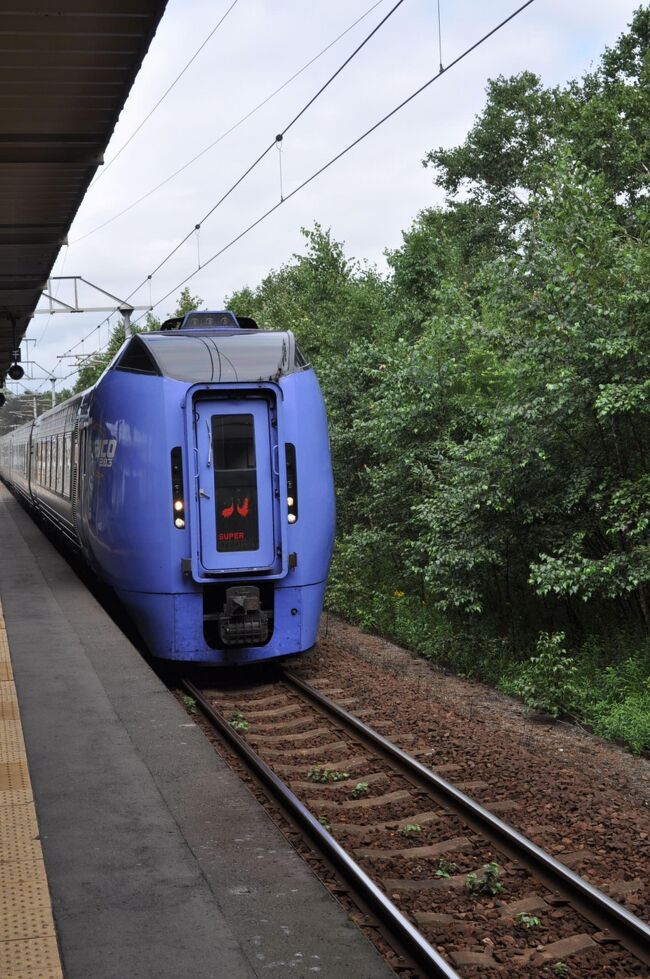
{"x": 235, "y": 485}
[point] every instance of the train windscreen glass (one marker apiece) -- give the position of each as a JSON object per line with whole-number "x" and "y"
{"x": 225, "y": 357}
{"x": 235, "y": 482}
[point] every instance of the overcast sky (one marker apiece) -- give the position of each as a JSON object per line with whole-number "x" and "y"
{"x": 367, "y": 199}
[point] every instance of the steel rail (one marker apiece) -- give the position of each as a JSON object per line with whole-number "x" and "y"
{"x": 391, "y": 918}
{"x": 596, "y": 906}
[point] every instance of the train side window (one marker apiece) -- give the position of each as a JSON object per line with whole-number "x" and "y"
{"x": 68, "y": 465}
{"x": 62, "y": 446}
{"x": 137, "y": 359}
{"x": 59, "y": 463}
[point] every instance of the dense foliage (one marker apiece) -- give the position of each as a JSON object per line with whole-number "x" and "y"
{"x": 490, "y": 398}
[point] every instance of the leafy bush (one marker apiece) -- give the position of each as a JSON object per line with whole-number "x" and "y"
{"x": 548, "y": 681}
{"x": 628, "y": 721}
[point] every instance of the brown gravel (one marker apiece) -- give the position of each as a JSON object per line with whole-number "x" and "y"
{"x": 572, "y": 791}
{"x": 578, "y": 797}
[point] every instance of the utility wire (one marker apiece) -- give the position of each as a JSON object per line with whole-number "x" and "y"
{"x": 162, "y": 98}
{"x": 232, "y": 128}
{"x": 346, "y": 150}
{"x": 90, "y": 333}
{"x": 249, "y": 170}
{"x": 270, "y": 146}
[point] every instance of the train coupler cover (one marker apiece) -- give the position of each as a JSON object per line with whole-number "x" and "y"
{"x": 243, "y": 622}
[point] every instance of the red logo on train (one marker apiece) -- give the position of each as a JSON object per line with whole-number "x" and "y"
{"x": 242, "y": 509}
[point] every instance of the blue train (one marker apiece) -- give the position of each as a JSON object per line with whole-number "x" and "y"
{"x": 195, "y": 479}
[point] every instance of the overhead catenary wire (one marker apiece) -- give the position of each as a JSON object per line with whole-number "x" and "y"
{"x": 87, "y": 336}
{"x": 231, "y": 129}
{"x": 273, "y": 142}
{"x": 162, "y": 98}
{"x": 246, "y": 172}
{"x": 380, "y": 122}
{"x": 346, "y": 150}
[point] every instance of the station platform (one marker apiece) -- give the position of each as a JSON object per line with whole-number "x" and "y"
{"x": 128, "y": 848}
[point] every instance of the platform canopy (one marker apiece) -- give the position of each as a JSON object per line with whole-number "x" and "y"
{"x": 66, "y": 69}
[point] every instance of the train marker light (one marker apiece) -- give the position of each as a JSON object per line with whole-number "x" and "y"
{"x": 178, "y": 505}
{"x": 290, "y": 501}
{"x": 292, "y": 518}
{"x": 179, "y": 522}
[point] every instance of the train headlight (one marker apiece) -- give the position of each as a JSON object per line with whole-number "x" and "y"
{"x": 178, "y": 503}
{"x": 292, "y": 482}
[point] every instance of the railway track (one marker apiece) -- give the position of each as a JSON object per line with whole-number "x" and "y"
{"x": 455, "y": 890}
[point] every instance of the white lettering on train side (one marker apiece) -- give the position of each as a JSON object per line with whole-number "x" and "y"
{"x": 105, "y": 449}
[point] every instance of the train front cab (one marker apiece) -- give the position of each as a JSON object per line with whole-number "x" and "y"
{"x": 203, "y": 544}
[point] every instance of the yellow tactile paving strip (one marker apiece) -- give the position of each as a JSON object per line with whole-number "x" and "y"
{"x": 28, "y": 948}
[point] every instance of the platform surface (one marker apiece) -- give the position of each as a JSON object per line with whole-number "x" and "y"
{"x": 28, "y": 943}
{"x": 159, "y": 861}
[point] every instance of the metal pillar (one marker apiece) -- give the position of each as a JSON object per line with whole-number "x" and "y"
{"x": 53, "y": 383}
{"x": 125, "y": 313}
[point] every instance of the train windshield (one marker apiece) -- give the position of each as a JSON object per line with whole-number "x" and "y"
{"x": 225, "y": 357}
